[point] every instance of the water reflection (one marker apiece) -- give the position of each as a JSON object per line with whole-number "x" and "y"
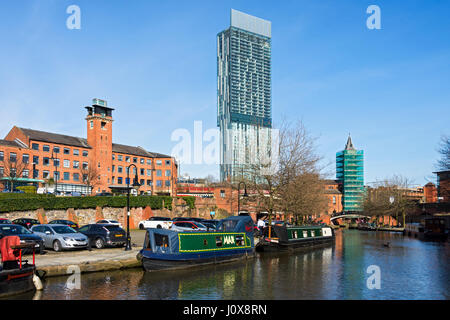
{"x": 410, "y": 269}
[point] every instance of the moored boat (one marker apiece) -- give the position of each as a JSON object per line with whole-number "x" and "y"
{"x": 169, "y": 249}
{"x": 16, "y": 276}
{"x": 284, "y": 238}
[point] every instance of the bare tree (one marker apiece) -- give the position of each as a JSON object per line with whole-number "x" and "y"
{"x": 444, "y": 149}
{"x": 389, "y": 197}
{"x": 290, "y": 182}
{"x": 13, "y": 168}
{"x": 90, "y": 175}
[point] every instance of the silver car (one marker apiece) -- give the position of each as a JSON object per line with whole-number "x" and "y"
{"x": 60, "y": 236}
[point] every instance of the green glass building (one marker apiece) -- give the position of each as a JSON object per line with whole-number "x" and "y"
{"x": 350, "y": 175}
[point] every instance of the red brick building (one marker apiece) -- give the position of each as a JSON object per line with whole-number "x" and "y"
{"x": 430, "y": 193}
{"x": 443, "y": 187}
{"x": 70, "y": 161}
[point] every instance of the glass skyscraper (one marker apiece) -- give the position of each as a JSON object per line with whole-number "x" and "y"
{"x": 350, "y": 174}
{"x": 244, "y": 93}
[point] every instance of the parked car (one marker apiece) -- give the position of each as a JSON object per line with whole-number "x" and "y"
{"x": 156, "y": 222}
{"x": 25, "y": 235}
{"x": 109, "y": 221}
{"x": 65, "y": 222}
{"x": 188, "y": 226}
{"x": 181, "y": 219}
{"x": 101, "y": 235}
{"x": 5, "y": 221}
{"x": 209, "y": 225}
{"x": 104, "y": 194}
{"x": 26, "y": 222}
{"x": 60, "y": 236}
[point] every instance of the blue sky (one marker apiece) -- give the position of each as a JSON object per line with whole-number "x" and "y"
{"x": 155, "y": 63}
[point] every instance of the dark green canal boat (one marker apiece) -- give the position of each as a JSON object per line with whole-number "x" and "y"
{"x": 282, "y": 238}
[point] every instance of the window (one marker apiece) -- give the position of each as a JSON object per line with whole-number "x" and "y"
{"x": 85, "y": 176}
{"x": 66, "y": 176}
{"x": 66, "y": 164}
{"x": 142, "y": 172}
{"x": 149, "y": 183}
{"x": 142, "y": 161}
{"x": 113, "y": 168}
{"x": 76, "y": 177}
{"x": 161, "y": 240}
{"x": 113, "y": 180}
{"x": 56, "y": 162}
{"x": 159, "y": 183}
{"x": 76, "y": 164}
{"x": 66, "y": 151}
{"x": 159, "y": 173}
{"x": 56, "y": 175}
{"x": 76, "y": 152}
{"x": 46, "y": 148}
{"x": 149, "y": 172}
{"x": 35, "y": 159}
{"x": 34, "y": 146}
{"x": 46, "y": 161}
{"x": 134, "y": 160}
{"x": 159, "y": 162}
{"x": 25, "y": 158}
{"x": 103, "y": 124}
{"x": 222, "y": 193}
{"x": 119, "y": 180}
{"x": 85, "y": 165}
{"x": 334, "y": 199}
{"x": 91, "y": 123}
{"x": 114, "y": 157}
{"x": 25, "y": 173}
{"x": 45, "y": 174}
{"x": 127, "y": 159}
{"x": 167, "y": 173}
{"x": 56, "y": 149}
{"x": 167, "y": 162}
{"x": 12, "y": 157}
{"x": 142, "y": 182}
{"x": 1, "y": 156}
{"x": 35, "y": 174}
{"x": 119, "y": 169}
{"x": 120, "y": 157}
{"x": 149, "y": 161}
{"x": 85, "y": 153}
{"x": 167, "y": 183}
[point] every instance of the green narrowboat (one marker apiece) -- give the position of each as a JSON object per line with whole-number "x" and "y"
{"x": 284, "y": 237}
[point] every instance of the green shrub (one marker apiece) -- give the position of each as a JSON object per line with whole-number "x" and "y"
{"x": 27, "y": 189}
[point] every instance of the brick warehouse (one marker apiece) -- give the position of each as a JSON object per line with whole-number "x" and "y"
{"x": 69, "y": 160}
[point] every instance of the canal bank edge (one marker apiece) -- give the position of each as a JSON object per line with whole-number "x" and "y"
{"x": 86, "y": 267}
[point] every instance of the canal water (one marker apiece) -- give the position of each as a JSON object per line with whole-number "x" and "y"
{"x": 408, "y": 269}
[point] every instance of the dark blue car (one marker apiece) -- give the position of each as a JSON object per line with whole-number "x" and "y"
{"x": 25, "y": 235}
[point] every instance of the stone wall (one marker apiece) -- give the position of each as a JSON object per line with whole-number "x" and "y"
{"x": 87, "y": 216}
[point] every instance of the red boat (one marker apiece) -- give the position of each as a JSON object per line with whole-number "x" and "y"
{"x": 16, "y": 275}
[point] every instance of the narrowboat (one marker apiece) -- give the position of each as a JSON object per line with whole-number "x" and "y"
{"x": 282, "y": 238}
{"x": 170, "y": 249}
{"x": 16, "y": 276}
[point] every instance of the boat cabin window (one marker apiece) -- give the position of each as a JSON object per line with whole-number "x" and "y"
{"x": 294, "y": 234}
{"x": 219, "y": 242}
{"x": 161, "y": 240}
{"x": 147, "y": 244}
{"x": 228, "y": 225}
{"x": 305, "y": 234}
{"x": 240, "y": 241}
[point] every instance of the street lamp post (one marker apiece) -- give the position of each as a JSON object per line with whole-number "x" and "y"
{"x": 239, "y": 195}
{"x": 135, "y": 185}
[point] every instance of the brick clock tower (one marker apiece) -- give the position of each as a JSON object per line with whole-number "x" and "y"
{"x": 99, "y": 137}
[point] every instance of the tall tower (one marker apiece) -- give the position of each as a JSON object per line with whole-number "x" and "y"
{"x": 350, "y": 174}
{"x": 99, "y": 136}
{"x": 244, "y": 112}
